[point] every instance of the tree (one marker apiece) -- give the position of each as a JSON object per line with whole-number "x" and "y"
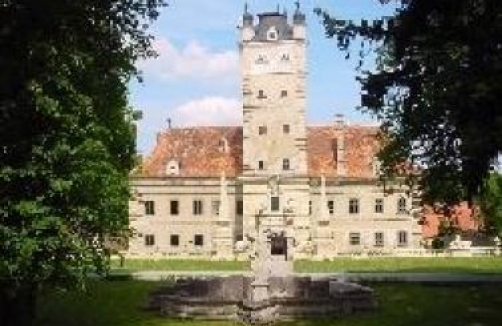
{"x": 437, "y": 89}
{"x": 490, "y": 203}
{"x": 66, "y": 139}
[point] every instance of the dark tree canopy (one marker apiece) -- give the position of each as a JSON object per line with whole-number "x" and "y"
{"x": 437, "y": 89}
{"x": 66, "y": 137}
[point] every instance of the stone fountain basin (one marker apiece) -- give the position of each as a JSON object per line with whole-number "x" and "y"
{"x": 292, "y": 297}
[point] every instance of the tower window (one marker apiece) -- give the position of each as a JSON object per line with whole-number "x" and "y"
{"x": 286, "y": 129}
{"x": 150, "y": 207}
{"x": 285, "y": 57}
{"x": 261, "y": 94}
{"x": 284, "y": 93}
{"x": 174, "y": 207}
{"x": 379, "y": 205}
{"x": 197, "y": 207}
{"x": 354, "y": 206}
{"x": 331, "y": 207}
{"x": 285, "y": 164}
{"x": 274, "y": 203}
{"x": 262, "y": 130}
{"x": 261, "y": 165}
{"x": 310, "y": 207}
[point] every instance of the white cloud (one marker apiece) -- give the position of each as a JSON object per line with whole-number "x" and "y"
{"x": 208, "y": 111}
{"x": 193, "y": 61}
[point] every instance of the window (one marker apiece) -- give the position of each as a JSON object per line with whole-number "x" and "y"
{"x": 402, "y": 238}
{"x": 354, "y": 238}
{"x": 149, "y": 240}
{"x": 261, "y": 94}
{"x": 274, "y": 203}
{"x": 285, "y": 57}
{"x": 261, "y": 165}
{"x": 354, "y": 206}
{"x": 174, "y": 207}
{"x": 215, "y": 207}
{"x": 198, "y": 240}
{"x": 379, "y": 239}
{"x": 175, "y": 240}
{"x": 379, "y": 205}
{"x": 286, "y": 129}
{"x": 285, "y": 164}
{"x": 331, "y": 207}
{"x": 239, "y": 207}
{"x": 197, "y": 207}
{"x": 401, "y": 206}
{"x": 173, "y": 167}
{"x": 149, "y": 207}
{"x": 284, "y": 93}
{"x": 310, "y": 207}
{"x": 262, "y": 130}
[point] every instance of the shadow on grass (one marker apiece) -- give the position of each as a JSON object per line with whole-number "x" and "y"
{"x": 119, "y": 303}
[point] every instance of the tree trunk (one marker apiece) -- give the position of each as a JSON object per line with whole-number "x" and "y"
{"x": 17, "y": 304}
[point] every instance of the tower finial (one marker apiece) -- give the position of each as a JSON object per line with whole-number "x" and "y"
{"x": 278, "y": 8}
{"x": 297, "y": 3}
{"x": 246, "y": 7}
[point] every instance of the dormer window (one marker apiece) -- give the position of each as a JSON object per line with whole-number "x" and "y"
{"x": 173, "y": 167}
{"x": 223, "y": 145}
{"x": 261, "y": 94}
{"x": 273, "y": 34}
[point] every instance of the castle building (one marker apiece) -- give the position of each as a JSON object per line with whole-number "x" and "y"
{"x": 208, "y": 192}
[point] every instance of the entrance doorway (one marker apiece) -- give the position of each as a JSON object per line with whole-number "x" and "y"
{"x": 279, "y": 245}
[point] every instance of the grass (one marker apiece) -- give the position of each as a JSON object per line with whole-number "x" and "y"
{"x": 118, "y": 303}
{"x": 477, "y": 265}
{"x": 178, "y": 265}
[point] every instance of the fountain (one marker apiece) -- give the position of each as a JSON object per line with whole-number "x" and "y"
{"x": 271, "y": 294}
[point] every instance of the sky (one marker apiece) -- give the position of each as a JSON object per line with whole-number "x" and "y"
{"x": 195, "y": 80}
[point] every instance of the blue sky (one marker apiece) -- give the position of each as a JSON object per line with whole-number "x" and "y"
{"x": 195, "y": 80}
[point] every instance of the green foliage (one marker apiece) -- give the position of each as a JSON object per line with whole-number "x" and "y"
{"x": 490, "y": 203}
{"x": 437, "y": 89}
{"x": 67, "y": 135}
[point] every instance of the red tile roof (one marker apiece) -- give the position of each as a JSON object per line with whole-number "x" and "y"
{"x": 462, "y": 218}
{"x": 200, "y": 152}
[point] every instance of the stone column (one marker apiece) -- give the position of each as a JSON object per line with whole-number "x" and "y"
{"x": 223, "y": 237}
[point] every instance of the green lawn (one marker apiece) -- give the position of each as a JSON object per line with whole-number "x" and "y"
{"x": 489, "y": 265}
{"x": 118, "y": 303}
{"x": 178, "y": 265}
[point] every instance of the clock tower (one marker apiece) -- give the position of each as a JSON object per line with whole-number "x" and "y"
{"x": 274, "y": 85}
{"x": 276, "y": 193}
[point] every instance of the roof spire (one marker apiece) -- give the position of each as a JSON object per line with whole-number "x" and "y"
{"x": 297, "y": 4}
{"x": 246, "y": 7}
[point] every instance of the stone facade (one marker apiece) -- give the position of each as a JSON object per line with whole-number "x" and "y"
{"x": 209, "y": 191}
